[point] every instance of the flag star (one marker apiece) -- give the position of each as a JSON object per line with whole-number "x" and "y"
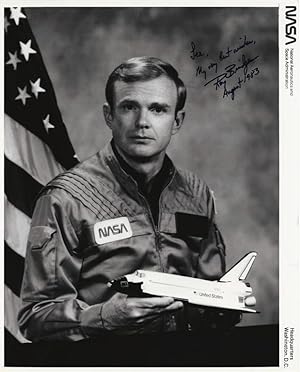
{"x": 47, "y": 123}
{"x": 13, "y": 60}
{"x": 26, "y": 49}
{"x": 6, "y": 23}
{"x": 23, "y": 95}
{"x": 36, "y": 88}
{"x": 16, "y": 14}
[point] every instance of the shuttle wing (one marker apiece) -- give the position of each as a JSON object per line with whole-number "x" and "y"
{"x": 240, "y": 270}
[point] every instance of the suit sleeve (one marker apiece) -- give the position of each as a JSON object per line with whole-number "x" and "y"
{"x": 51, "y": 309}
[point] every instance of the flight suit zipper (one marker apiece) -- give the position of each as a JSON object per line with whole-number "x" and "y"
{"x": 156, "y": 227}
{"x": 169, "y": 321}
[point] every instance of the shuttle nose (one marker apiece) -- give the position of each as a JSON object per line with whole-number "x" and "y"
{"x": 126, "y": 286}
{"x": 119, "y": 285}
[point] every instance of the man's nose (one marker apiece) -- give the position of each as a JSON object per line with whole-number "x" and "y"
{"x": 142, "y": 119}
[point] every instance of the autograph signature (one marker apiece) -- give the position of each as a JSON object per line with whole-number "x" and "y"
{"x": 237, "y": 72}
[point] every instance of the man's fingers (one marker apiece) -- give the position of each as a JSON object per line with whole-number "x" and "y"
{"x": 146, "y": 314}
{"x": 149, "y": 306}
{"x": 176, "y": 305}
{"x": 155, "y": 302}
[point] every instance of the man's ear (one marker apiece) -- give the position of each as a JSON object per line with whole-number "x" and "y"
{"x": 107, "y": 112}
{"x": 178, "y": 121}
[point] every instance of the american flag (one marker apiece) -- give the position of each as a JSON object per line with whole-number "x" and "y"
{"x": 36, "y": 147}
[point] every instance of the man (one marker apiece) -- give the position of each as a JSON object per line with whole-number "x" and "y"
{"x": 125, "y": 208}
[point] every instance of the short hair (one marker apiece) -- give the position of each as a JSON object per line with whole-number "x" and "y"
{"x": 144, "y": 69}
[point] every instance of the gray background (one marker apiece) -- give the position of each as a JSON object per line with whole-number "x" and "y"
{"x": 233, "y": 145}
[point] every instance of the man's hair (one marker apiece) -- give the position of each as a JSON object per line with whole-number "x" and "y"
{"x": 144, "y": 69}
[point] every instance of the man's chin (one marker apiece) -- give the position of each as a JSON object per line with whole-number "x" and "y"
{"x": 141, "y": 154}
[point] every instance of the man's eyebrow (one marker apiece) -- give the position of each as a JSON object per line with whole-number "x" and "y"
{"x": 160, "y": 104}
{"x": 152, "y": 104}
{"x": 127, "y": 100}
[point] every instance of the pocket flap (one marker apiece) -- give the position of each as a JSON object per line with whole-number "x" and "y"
{"x": 39, "y": 235}
{"x": 190, "y": 224}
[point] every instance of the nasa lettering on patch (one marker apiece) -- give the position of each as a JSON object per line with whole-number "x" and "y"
{"x": 112, "y": 230}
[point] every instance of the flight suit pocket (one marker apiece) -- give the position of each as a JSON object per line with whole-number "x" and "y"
{"x": 193, "y": 230}
{"x": 40, "y": 270}
{"x": 39, "y": 236}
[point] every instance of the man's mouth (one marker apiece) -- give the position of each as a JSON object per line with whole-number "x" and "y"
{"x": 141, "y": 137}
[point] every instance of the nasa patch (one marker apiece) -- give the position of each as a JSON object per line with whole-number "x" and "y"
{"x": 112, "y": 230}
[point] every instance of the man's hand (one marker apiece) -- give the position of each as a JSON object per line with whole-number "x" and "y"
{"x": 121, "y": 312}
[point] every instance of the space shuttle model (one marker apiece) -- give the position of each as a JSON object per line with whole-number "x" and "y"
{"x": 229, "y": 292}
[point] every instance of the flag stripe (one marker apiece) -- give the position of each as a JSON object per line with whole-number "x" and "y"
{"x": 14, "y": 269}
{"x": 37, "y": 148}
{"x": 56, "y": 139}
{"x": 16, "y": 229}
{"x": 22, "y": 147}
{"x": 12, "y": 305}
{"x": 20, "y": 188}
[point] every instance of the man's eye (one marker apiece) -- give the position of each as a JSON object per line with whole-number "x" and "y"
{"x": 158, "y": 110}
{"x": 128, "y": 107}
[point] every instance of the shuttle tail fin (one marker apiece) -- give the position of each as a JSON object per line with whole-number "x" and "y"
{"x": 240, "y": 270}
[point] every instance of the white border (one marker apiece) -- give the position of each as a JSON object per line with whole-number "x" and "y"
{"x": 289, "y": 232}
{"x": 145, "y": 3}
{"x": 289, "y": 196}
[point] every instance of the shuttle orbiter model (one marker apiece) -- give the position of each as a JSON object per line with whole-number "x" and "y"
{"x": 229, "y": 292}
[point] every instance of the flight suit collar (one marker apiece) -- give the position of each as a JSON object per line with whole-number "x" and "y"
{"x": 129, "y": 178}
{"x": 158, "y": 181}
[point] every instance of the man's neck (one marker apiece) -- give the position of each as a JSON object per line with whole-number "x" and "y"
{"x": 148, "y": 168}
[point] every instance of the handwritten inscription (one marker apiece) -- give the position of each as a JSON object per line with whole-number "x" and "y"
{"x": 230, "y": 71}
{"x": 196, "y": 53}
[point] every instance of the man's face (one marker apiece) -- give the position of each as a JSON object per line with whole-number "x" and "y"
{"x": 143, "y": 118}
